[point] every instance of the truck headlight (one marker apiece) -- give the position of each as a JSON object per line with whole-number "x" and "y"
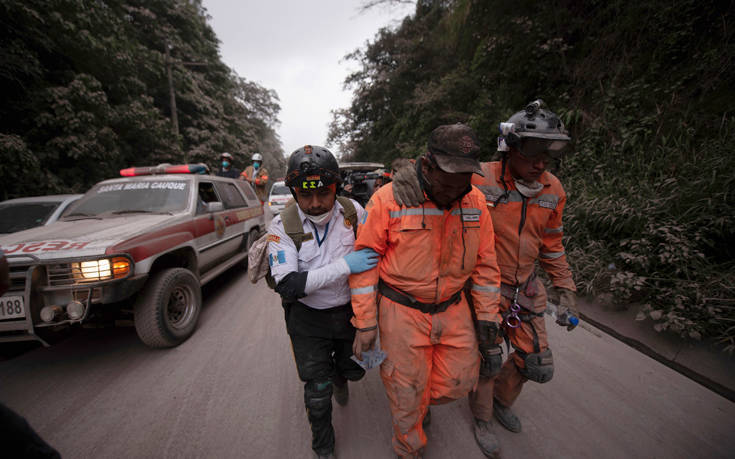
{"x": 97, "y": 269}
{"x": 102, "y": 269}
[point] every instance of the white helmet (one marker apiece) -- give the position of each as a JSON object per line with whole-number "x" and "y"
{"x": 257, "y": 157}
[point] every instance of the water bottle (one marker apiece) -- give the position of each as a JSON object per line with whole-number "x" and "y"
{"x": 564, "y": 318}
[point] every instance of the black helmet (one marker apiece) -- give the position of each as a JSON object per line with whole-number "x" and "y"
{"x": 312, "y": 167}
{"x": 533, "y": 131}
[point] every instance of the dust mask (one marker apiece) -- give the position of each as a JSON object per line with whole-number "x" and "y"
{"x": 528, "y": 189}
{"x": 321, "y": 219}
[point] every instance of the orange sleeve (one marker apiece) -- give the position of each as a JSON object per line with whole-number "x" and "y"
{"x": 552, "y": 257}
{"x": 486, "y": 275}
{"x": 372, "y": 233}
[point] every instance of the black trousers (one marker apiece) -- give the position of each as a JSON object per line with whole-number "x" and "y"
{"x": 322, "y": 347}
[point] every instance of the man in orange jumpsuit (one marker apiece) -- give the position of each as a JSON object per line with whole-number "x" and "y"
{"x": 257, "y": 175}
{"x": 526, "y": 203}
{"x": 427, "y": 255}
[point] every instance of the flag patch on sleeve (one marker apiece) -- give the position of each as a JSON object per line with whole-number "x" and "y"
{"x": 277, "y": 259}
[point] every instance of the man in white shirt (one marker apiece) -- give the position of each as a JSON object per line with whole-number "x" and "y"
{"x": 311, "y": 254}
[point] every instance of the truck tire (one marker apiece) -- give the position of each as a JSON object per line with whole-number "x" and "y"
{"x": 167, "y": 310}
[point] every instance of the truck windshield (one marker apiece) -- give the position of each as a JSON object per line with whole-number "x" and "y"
{"x": 135, "y": 196}
{"x": 18, "y": 217}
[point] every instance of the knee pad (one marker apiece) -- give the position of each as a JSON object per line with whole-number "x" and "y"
{"x": 539, "y": 367}
{"x": 318, "y": 397}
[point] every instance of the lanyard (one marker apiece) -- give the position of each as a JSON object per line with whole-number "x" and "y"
{"x": 316, "y": 231}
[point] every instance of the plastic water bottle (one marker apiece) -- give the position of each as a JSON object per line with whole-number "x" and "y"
{"x": 566, "y": 319}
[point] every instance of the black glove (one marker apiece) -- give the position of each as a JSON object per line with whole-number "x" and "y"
{"x": 492, "y": 353}
{"x": 487, "y": 332}
{"x": 492, "y": 359}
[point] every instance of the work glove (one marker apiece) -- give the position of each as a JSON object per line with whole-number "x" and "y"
{"x": 491, "y": 353}
{"x": 361, "y": 260}
{"x": 406, "y": 188}
{"x": 567, "y": 310}
{"x": 364, "y": 340}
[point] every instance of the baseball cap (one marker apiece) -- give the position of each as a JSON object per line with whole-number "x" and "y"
{"x": 454, "y": 148}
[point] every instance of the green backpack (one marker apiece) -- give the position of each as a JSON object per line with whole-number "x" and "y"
{"x": 258, "y": 266}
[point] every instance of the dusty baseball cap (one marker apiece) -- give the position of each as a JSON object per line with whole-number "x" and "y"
{"x": 454, "y": 148}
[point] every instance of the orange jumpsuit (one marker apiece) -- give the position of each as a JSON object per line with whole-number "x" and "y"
{"x": 526, "y": 230}
{"x": 429, "y": 254}
{"x": 259, "y": 180}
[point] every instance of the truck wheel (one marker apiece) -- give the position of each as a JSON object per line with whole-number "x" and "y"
{"x": 167, "y": 309}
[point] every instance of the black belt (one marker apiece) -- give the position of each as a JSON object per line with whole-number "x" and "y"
{"x": 428, "y": 308}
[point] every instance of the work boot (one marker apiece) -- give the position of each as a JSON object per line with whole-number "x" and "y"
{"x": 427, "y": 419}
{"x": 341, "y": 392}
{"x": 486, "y": 439}
{"x": 506, "y": 417}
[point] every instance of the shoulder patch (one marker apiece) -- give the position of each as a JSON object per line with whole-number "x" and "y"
{"x": 274, "y": 238}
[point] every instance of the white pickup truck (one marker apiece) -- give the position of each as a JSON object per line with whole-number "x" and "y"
{"x": 149, "y": 239}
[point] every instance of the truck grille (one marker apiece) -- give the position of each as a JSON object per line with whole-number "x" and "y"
{"x": 18, "y": 278}
{"x": 60, "y": 275}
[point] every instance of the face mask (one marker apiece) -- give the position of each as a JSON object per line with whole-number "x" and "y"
{"x": 225, "y": 164}
{"x": 527, "y": 189}
{"x": 321, "y": 219}
{"x": 256, "y": 165}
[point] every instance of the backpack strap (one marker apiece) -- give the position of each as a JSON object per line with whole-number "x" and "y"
{"x": 292, "y": 225}
{"x": 350, "y": 212}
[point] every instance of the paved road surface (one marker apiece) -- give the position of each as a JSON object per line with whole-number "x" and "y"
{"x": 232, "y": 391}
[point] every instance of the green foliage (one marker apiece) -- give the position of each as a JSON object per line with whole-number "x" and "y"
{"x": 645, "y": 89}
{"x": 85, "y": 93}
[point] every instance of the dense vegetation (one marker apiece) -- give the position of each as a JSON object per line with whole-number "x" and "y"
{"x": 85, "y": 93}
{"x": 645, "y": 89}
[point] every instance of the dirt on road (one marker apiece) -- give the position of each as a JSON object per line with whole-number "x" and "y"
{"x": 232, "y": 390}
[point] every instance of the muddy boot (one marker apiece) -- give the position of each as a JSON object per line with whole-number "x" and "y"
{"x": 341, "y": 391}
{"x": 506, "y": 417}
{"x": 486, "y": 439}
{"x": 427, "y": 419}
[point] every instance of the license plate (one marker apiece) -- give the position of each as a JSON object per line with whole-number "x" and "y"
{"x": 12, "y": 307}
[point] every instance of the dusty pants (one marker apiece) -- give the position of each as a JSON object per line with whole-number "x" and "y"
{"x": 322, "y": 345}
{"x": 529, "y": 338}
{"x": 431, "y": 359}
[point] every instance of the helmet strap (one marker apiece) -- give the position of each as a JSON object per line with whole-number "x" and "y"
{"x": 502, "y": 180}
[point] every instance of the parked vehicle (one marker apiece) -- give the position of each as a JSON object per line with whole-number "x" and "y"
{"x": 23, "y": 213}
{"x": 150, "y": 239}
{"x": 279, "y": 196}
